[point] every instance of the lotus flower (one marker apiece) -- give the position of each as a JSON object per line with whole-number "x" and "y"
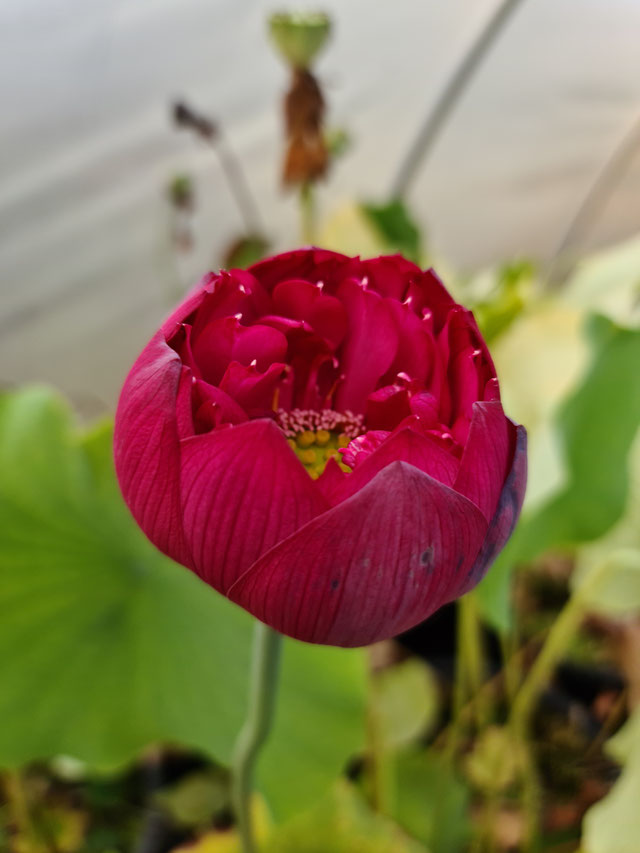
{"x": 321, "y": 439}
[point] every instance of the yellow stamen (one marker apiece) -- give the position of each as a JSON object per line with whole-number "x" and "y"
{"x": 306, "y": 438}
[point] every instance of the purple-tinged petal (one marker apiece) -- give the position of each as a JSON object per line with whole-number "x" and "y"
{"x": 370, "y": 568}
{"x": 146, "y": 444}
{"x": 506, "y": 515}
{"x": 243, "y": 491}
{"x": 487, "y": 457}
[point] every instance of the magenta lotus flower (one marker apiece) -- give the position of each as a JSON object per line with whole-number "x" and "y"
{"x": 321, "y": 439}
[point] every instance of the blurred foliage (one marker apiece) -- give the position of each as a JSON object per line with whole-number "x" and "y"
{"x": 369, "y": 230}
{"x": 245, "y": 251}
{"x": 407, "y": 702}
{"x": 395, "y": 228}
{"x": 432, "y": 802}
{"x": 341, "y": 823}
{"x": 613, "y": 824}
{"x": 118, "y": 646}
{"x": 595, "y": 427}
{"x": 505, "y": 301}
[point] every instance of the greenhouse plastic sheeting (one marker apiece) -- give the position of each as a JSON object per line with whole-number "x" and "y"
{"x": 88, "y": 148}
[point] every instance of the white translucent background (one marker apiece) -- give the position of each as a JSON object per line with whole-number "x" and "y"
{"x": 87, "y": 148}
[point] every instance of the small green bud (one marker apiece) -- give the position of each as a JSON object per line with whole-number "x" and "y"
{"x": 299, "y": 36}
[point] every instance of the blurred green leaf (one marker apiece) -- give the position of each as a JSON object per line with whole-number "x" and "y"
{"x": 595, "y": 425}
{"x": 612, "y": 586}
{"x": 407, "y": 702}
{"x": 338, "y": 141}
{"x": 194, "y": 799}
{"x": 608, "y": 282}
{"x": 508, "y": 298}
{"x": 432, "y": 803}
{"x": 341, "y": 823}
{"x": 244, "y": 251}
{"x": 107, "y": 646}
{"x": 395, "y": 226}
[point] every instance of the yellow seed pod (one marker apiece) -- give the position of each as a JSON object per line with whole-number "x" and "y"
{"x": 308, "y": 457}
{"x": 343, "y": 440}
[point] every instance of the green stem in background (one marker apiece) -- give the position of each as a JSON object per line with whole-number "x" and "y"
{"x": 471, "y": 651}
{"x": 557, "y": 642}
{"x": 380, "y": 755}
{"x": 20, "y": 812}
{"x": 262, "y": 699}
{"x": 307, "y": 213}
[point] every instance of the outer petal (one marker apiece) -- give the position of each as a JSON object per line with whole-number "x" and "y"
{"x": 406, "y": 445}
{"x": 311, "y": 264}
{"x": 506, "y": 515}
{"x": 371, "y": 567}
{"x": 146, "y": 445}
{"x": 191, "y": 303}
{"x": 243, "y": 491}
{"x": 487, "y": 457}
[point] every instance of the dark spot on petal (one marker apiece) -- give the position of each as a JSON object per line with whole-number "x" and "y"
{"x": 460, "y": 562}
{"x": 335, "y": 583}
{"x": 426, "y": 558}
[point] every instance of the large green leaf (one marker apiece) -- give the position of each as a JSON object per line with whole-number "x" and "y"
{"x": 595, "y": 427}
{"x": 107, "y": 646}
{"x": 342, "y": 823}
{"x": 432, "y": 803}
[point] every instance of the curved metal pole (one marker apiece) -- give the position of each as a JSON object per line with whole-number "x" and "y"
{"x": 449, "y": 96}
{"x": 597, "y": 196}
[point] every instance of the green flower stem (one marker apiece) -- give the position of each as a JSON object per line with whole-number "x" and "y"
{"x": 558, "y": 639}
{"x": 307, "y": 213}
{"x": 267, "y": 646}
{"x": 380, "y": 759}
{"x": 471, "y": 650}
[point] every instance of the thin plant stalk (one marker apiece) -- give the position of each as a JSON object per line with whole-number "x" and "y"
{"x": 307, "y": 214}
{"x": 597, "y": 196}
{"x": 472, "y": 652}
{"x": 449, "y": 97}
{"x": 262, "y": 699}
{"x": 524, "y": 704}
{"x": 381, "y": 763}
{"x": 20, "y": 812}
{"x": 556, "y": 644}
{"x": 238, "y": 185}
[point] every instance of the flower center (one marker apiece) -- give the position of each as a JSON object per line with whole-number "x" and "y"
{"x": 317, "y": 436}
